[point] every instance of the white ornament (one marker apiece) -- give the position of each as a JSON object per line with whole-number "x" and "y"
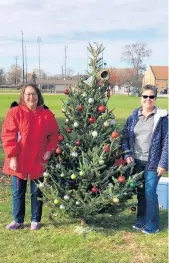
{"x": 113, "y": 122}
{"x": 76, "y": 124}
{"x": 77, "y": 203}
{"x": 64, "y": 110}
{"x": 45, "y": 174}
{"x": 84, "y": 94}
{"x": 74, "y": 154}
{"x": 67, "y": 120}
{"x": 62, "y": 175}
{"x": 94, "y": 134}
{"x": 62, "y": 207}
{"x": 58, "y": 166}
{"x": 66, "y": 197}
{"x": 41, "y": 185}
{"x": 91, "y": 100}
{"x": 106, "y": 124}
{"x": 101, "y": 161}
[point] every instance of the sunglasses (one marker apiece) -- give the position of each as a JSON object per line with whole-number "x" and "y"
{"x": 152, "y": 97}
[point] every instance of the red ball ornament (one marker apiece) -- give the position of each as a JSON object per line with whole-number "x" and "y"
{"x": 80, "y": 107}
{"x": 69, "y": 130}
{"x": 94, "y": 189}
{"x": 66, "y": 91}
{"x": 121, "y": 179}
{"x": 92, "y": 120}
{"x": 58, "y": 150}
{"x": 78, "y": 142}
{"x": 101, "y": 108}
{"x": 119, "y": 162}
{"x": 107, "y": 148}
{"x": 60, "y": 138}
{"x": 115, "y": 134}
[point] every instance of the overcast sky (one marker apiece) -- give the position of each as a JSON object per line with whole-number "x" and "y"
{"x": 114, "y": 23}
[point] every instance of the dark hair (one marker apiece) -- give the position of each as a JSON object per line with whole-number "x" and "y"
{"x": 149, "y": 87}
{"x": 40, "y": 97}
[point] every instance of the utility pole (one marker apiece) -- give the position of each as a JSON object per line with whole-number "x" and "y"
{"x": 26, "y": 77}
{"x": 16, "y": 67}
{"x": 62, "y": 72}
{"x": 23, "y": 74}
{"x": 39, "y": 40}
{"x": 65, "y": 61}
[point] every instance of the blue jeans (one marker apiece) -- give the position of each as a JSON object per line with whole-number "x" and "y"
{"x": 148, "y": 207}
{"x": 19, "y": 190}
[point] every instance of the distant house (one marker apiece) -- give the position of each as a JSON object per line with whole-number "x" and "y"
{"x": 156, "y": 76}
{"x": 55, "y": 85}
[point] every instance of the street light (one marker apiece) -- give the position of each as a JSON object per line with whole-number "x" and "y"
{"x": 16, "y": 60}
{"x": 65, "y": 60}
{"x": 23, "y": 74}
{"x": 39, "y": 40}
{"x": 26, "y": 77}
{"x": 62, "y": 72}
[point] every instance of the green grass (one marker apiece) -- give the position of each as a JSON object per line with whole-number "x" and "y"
{"x": 108, "y": 242}
{"x": 62, "y": 244}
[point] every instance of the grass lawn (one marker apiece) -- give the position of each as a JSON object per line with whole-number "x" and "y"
{"x": 112, "y": 241}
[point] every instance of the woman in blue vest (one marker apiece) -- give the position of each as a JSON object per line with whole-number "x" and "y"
{"x": 145, "y": 142}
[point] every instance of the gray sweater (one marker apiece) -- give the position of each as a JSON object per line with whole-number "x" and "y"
{"x": 143, "y": 133}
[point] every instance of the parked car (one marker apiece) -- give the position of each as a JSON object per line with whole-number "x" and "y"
{"x": 164, "y": 91}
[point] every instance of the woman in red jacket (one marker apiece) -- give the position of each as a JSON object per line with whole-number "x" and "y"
{"x": 29, "y": 135}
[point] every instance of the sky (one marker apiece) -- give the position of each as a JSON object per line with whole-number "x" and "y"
{"x": 74, "y": 24}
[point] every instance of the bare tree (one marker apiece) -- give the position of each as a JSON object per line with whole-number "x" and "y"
{"x": 134, "y": 55}
{"x": 43, "y": 74}
{"x": 2, "y": 76}
{"x": 14, "y": 75}
{"x": 69, "y": 72}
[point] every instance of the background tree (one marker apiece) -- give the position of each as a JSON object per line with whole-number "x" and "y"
{"x": 43, "y": 74}
{"x": 14, "y": 74}
{"x": 113, "y": 79}
{"x": 2, "y": 77}
{"x": 134, "y": 55}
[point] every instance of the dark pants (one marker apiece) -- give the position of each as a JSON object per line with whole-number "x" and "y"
{"x": 148, "y": 207}
{"x": 19, "y": 191}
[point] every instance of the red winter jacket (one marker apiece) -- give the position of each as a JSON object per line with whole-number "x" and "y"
{"x": 28, "y": 135}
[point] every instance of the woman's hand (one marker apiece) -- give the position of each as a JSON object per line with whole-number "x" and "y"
{"x": 160, "y": 171}
{"x": 47, "y": 155}
{"x": 13, "y": 163}
{"x": 129, "y": 160}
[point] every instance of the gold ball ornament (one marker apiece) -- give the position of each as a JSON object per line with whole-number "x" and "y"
{"x": 56, "y": 201}
{"x": 64, "y": 110}
{"x": 81, "y": 173}
{"x": 106, "y": 124}
{"x": 73, "y": 176}
{"x": 116, "y": 200}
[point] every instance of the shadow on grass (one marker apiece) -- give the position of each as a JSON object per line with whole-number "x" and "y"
{"x": 108, "y": 224}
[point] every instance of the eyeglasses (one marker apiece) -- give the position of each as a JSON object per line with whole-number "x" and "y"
{"x": 152, "y": 97}
{"x": 31, "y": 94}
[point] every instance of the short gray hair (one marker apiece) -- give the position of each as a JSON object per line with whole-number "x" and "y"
{"x": 149, "y": 87}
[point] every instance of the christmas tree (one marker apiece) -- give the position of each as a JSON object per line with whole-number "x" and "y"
{"x": 86, "y": 175}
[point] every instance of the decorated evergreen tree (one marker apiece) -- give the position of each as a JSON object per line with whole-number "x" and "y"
{"x": 86, "y": 175}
